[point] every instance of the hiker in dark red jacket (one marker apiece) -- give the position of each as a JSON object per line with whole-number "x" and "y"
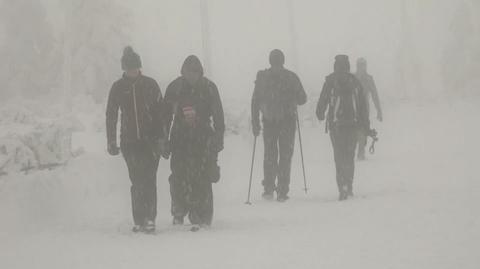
{"x": 278, "y": 91}
{"x": 192, "y": 104}
{"x": 142, "y": 136}
{"x": 343, "y": 96}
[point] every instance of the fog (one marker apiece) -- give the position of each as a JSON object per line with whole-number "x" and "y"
{"x": 411, "y": 46}
{"x": 66, "y": 192}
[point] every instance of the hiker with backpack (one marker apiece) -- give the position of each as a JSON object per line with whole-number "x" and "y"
{"x": 344, "y": 97}
{"x": 142, "y": 137}
{"x": 370, "y": 91}
{"x": 278, "y": 91}
{"x": 192, "y": 104}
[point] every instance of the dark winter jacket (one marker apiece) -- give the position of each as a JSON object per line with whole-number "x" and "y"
{"x": 140, "y": 102}
{"x": 370, "y": 90}
{"x": 189, "y": 112}
{"x": 327, "y": 98}
{"x": 277, "y": 94}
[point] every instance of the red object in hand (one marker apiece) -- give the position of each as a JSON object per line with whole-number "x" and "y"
{"x": 190, "y": 115}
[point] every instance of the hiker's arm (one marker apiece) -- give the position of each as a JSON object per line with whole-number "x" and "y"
{"x": 363, "y": 107}
{"x": 218, "y": 118}
{"x": 159, "y": 128}
{"x": 376, "y": 100}
{"x": 300, "y": 93}
{"x": 218, "y": 115}
{"x": 168, "y": 107}
{"x": 112, "y": 116}
{"x": 323, "y": 101}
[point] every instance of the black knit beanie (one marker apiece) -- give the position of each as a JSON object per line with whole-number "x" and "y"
{"x": 130, "y": 59}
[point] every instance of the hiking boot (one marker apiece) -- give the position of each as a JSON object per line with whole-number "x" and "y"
{"x": 195, "y": 228}
{"x": 343, "y": 193}
{"x": 178, "y": 221}
{"x": 350, "y": 192}
{"x": 267, "y": 196}
{"x": 282, "y": 198}
{"x": 149, "y": 227}
{"x": 136, "y": 228}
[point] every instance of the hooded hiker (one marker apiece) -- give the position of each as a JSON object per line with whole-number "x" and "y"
{"x": 194, "y": 116}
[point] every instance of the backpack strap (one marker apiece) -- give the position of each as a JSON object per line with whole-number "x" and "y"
{"x": 335, "y": 100}
{"x": 354, "y": 102}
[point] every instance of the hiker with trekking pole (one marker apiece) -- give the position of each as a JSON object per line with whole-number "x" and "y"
{"x": 277, "y": 94}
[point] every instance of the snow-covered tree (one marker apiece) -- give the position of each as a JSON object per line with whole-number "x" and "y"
{"x": 458, "y": 53}
{"x": 30, "y": 63}
{"x": 206, "y": 38}
{"x": 408, "y": 68}
{"x": 96, "y": 31}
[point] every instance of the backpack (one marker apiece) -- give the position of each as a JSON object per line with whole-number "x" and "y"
{"x": 344, "y": 100}
{"x": 277, "y": 95}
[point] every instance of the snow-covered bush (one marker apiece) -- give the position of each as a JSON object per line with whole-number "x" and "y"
{"x": 16, "y": 114}
{"x": 29, "y": 140}
{"x": 51, "y": 143}
{"x": 15, "y": 156}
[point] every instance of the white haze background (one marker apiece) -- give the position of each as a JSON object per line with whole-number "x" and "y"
{"x": 414, "y": 48}
{"x": 417, "y": 198}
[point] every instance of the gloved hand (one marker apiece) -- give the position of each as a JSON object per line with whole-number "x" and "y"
{"x": 167, "y": 150}
{"x": 372, "y": 133}
{"x": 161, "y": 148}
{"x": 320, "y": 116}
{"x": 216, "y": 144}
{"x": 379, "y": 116}
{"x": 256, "y": 129}
{"x": 113, "y": 149}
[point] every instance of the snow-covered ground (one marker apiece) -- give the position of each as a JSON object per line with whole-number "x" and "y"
{"x": 417, "y": 206}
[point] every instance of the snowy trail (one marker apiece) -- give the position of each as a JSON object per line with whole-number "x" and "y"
{"x": 416, "y": 207}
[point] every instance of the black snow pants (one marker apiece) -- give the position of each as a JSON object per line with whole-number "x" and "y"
{"x": 142, "y": 168}
{"x": 362, "y": 143}
{"x": 279, "y": 140}
{"x": 191, "y": 180}
{"x": 344, "y": 141}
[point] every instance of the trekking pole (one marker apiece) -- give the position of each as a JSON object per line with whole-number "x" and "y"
{"x": 301, "y": 153}
{"x": 251, "y": 171}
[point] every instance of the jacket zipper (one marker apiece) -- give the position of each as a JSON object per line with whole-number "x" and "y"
{"x": 135, "y": 108}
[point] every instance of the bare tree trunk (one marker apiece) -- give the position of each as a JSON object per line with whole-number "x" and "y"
{"x": 293, "y": 34}
{"x": 476, "y": 15}
{"x": 67, "y": 57}
{"x": 409, "y": 72}
{"x": 206, "y": 41}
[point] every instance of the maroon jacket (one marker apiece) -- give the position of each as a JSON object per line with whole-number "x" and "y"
{"x": 140, "y": 102}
